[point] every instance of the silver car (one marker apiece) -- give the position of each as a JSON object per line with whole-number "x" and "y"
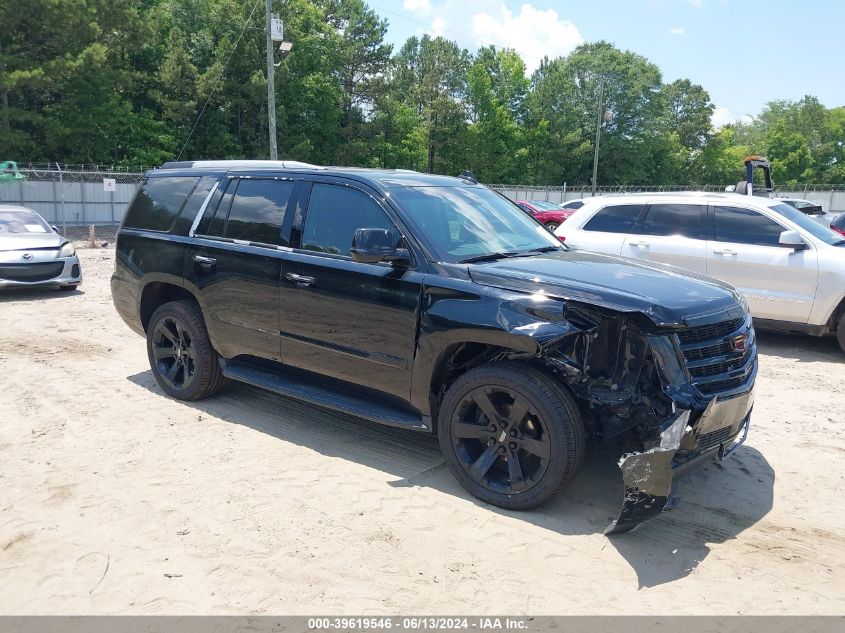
{"x": 32, "y": 253}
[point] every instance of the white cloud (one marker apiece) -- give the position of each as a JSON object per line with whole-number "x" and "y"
{"x": 695, "y": 3}
{"x": 438, "y": 26}
{"x": 417, "y": 6}
{"x": 533, "y": 33}
{"x": 722, "y": 116}
{"x": 677, "y": 30}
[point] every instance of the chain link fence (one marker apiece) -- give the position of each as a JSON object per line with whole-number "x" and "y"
{"x": 87, "y": 203}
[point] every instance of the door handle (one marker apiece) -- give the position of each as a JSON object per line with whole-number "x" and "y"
{"x": 639, "y": 244}
{"x": 727, "y": 252}
{"x": 301, "y": 280}
{"x": 205, "y": 262}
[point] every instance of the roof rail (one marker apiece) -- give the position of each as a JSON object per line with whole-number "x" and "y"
{"x": 236, "y": 164}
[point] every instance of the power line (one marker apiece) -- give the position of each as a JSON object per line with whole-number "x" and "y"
{"x": 219, "y": 77}
{"x": 458, "y": 35}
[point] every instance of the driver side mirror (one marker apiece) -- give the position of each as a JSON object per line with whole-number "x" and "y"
{"x": 55, "y": 228}
{"x": 792, "y": 239}
{"x": 372, "y": 246}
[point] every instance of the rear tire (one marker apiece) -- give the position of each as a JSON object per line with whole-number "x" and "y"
{"x": 184, "y": 363}
{"x": 511, "y": 435}
{"x": 552, "y": 226}
{"x": 840, "y": 332}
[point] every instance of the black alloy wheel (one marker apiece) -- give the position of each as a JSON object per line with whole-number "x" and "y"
{"x": 511, "y": 434}
{"x": 499, "y": 439}
{"x": 184, "y": 363}
{"x": 174, "y": 353}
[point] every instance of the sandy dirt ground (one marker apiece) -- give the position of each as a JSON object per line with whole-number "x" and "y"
{"x": 115, "y": 499}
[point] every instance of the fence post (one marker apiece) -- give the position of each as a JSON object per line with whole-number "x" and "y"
{"x": 62, "y": 190}
{"x": 82, "y": 196}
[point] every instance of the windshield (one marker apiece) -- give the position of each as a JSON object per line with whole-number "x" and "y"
{"x": 811, "y": 226}
{"x": 22, "y": 222}
{"x": 468, "y": 222}
{"x": 544, "y": 206}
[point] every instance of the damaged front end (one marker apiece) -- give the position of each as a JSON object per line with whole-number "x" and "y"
{"x": 671, "y": 395}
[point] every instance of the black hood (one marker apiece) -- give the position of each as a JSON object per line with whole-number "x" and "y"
{"x": 666, "y": 294}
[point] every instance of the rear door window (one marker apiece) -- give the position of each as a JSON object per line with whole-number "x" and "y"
{"x": 745, "y": 226}
{"x": 159, "y": 202}
{"x": 616, "y": 218}
{"x": 685, "y": 220}
{"x": 258, "y": 210}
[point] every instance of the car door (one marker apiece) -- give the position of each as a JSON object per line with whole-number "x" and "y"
{"x": 234, "y": 265}
{"x": 670, "y": 233}
{"x": 779, "y": 283}
{"x": 349, "y": 320}
{"x": 605, "y": 231}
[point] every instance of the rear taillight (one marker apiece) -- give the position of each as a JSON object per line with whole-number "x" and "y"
{"x": 561, "y": 238}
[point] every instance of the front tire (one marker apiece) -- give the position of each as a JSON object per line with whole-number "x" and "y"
{"x": 511, "y": 435}
{"x": 182, "y": 359}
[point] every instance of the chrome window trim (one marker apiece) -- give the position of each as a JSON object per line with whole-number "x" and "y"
{"x": 202, "y": 209}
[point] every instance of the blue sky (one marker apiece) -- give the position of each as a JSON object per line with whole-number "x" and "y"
{"x": 745, "y": 53}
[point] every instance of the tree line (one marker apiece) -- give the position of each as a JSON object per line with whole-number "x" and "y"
{"x": 139, "y": 82}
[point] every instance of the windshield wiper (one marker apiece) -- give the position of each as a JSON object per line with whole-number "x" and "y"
{"x": 489, "y": 257}
{"x": 542, "y": 249}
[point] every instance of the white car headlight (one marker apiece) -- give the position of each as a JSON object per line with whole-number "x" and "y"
{"x": 67, "y": 250}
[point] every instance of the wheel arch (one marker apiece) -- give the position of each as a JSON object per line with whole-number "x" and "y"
{"x": 156, "y": 293}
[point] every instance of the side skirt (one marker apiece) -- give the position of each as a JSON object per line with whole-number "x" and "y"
{"x": 325, "y": 392}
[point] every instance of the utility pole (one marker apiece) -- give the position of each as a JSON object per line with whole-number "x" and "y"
{"x": 271, "y": 83}
{"x": 599, "y": 113}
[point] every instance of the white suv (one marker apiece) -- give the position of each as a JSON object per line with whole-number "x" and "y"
{"x": 790, "y": 268}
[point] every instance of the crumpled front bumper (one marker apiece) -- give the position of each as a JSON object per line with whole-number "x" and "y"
{"x": 648, "y": 476}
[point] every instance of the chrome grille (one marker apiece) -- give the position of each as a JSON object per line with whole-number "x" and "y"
{"x": 715, "y": 367}
{"x": 708, "y": 332}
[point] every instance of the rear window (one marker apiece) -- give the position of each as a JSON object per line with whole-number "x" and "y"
{"x": 617, "y": 218}
{"x": 675, "y": 219}
{"x": 159, "y": 202}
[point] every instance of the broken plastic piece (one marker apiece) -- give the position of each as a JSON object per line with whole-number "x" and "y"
{"x": 648, "y": 478}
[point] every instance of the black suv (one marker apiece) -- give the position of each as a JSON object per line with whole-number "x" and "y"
{"x": 433, "y": 303}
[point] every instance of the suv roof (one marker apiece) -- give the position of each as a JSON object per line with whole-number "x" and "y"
{"x": 386, "y": 178}
{"x": 704, "y": 196}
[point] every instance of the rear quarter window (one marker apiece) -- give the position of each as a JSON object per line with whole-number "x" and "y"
{"x": 159, "y": 202}
{"x": 616, "y": 218}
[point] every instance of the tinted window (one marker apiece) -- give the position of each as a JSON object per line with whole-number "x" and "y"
{"x": 159, "y": 202}
{"x": 575, "y": 204}
{"x": 617, "y": 218}
{"x": 674, "y": 219}
{"x": 810, "y": 226}
{"x": 745, "y": 226}
{"x": 334, "y": 213}
{"x": 258, "y": 210}
{"x": 192, "y": 206}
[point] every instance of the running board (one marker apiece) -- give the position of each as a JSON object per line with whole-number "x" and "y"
{"x": 324, "y": 392}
